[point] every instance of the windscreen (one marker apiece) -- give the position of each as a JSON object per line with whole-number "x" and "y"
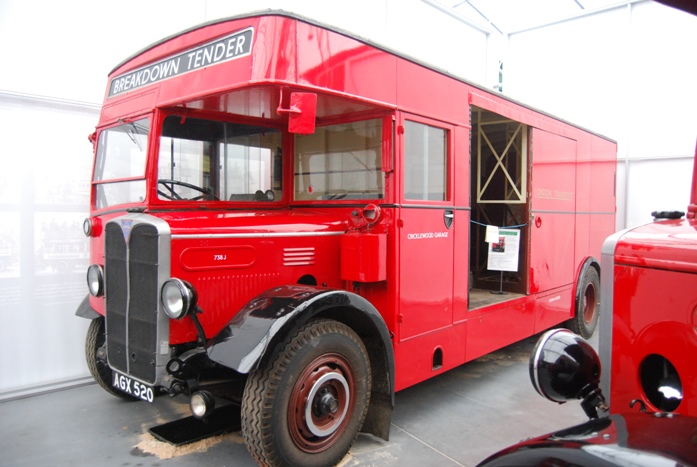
{"x": 208, "y": 160}
{"x": 119, "y": 171}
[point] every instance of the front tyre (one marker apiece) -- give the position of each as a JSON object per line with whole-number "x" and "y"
{"x": 98, "y": 367}
{"x": 588, "y": 305}
{"x": 306, "y": 406}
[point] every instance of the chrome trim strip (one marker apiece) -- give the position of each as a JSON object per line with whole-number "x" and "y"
{"x": 607, "y": 279}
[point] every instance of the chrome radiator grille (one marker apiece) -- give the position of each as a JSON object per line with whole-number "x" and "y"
{"x": 133, "y": 278}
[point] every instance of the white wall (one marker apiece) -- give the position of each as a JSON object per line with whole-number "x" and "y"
{"x": 627, "y": 72}
{"x": 45, "y": 164}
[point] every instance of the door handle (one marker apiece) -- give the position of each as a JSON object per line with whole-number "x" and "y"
{"x": 448, "y": 217}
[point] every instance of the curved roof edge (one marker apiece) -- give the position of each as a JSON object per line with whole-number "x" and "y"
{"x": 343, "y": 32}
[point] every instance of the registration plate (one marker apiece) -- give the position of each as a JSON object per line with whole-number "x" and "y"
{"x": 132, "y": 387}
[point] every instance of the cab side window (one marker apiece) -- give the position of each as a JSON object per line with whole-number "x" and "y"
{"x": 341, "y": 161}
{"x": 425, "y": 162}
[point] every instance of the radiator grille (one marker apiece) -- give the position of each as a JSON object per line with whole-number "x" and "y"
{"x": 131, "y": 272}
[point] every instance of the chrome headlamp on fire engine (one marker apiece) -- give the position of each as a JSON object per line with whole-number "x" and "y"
{"x": 563, "y": 366}
{"x": 87, "y": 227}
{"x": 178, "y": 298}
{"x": 95, "y": 280}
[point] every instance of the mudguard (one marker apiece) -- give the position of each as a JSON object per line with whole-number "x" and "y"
{"x": 638, "y": 439}
{"x": 85, "y": 310}
{"x": 246, "y": 338}
{"x": 255, "y": 329}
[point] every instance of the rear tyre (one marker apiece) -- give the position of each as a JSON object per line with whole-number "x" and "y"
{"x": 98, "y": 367}
{"x": 306, "y": 406}
{"x": 585, "y": 320}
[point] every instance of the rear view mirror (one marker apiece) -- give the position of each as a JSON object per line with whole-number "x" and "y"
{"x": 563, "y": 367}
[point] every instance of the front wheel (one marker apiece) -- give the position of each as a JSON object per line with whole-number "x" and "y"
{"x": 102, "y": 374}
{"x": 585, "y": 320}
{"x": 306, "y": 406}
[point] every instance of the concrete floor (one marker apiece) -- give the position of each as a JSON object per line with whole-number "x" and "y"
{"x": 456, "y": 419}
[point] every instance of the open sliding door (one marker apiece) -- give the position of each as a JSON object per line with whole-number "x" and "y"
{"x": 553, "y": 208}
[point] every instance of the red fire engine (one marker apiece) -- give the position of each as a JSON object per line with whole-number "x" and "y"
{"x": 298, "y": 222}
{"x": 654, "y": 315}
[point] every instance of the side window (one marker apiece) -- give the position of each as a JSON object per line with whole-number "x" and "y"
{"x": 425, "y": 162}
{"x": 342, "y": 161}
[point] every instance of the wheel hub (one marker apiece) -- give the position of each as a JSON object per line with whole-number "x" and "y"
{"x": 326, "y": 404}
{"x": 589, "y": 303}
{"x": 321, "y": 402}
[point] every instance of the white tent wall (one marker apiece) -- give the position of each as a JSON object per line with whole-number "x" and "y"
{"x": 625, "y": 72}
{"x": 44, "y": 196}
{"x": 57, "y": 55}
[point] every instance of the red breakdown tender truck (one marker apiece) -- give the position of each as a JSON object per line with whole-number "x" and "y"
{"x": 292, "y": 223}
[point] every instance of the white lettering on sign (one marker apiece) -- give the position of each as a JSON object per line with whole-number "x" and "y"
{"x": 422, "y": 235}
{"x": 219, "y": 257}
{"x": 554, "y": 194}
{"x": 134, "y": 388}
{"x": 218, "y": 51}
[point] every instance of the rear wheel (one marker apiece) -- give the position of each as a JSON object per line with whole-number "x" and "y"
{"x": 588, "y": 305}
{"x": 307, "y": 405}
{"x": 98, "y": 367}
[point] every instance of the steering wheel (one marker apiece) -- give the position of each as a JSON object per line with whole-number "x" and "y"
{"x": 173, "y": 195}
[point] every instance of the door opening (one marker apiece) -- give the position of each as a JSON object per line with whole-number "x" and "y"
{"x": 500, "y": 179}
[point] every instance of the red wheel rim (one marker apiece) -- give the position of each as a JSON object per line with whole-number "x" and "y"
{"x": 590, "y": 302}
{"x": 321, "y": 403}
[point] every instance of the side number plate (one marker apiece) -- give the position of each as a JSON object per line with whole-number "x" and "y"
{"x": 132, "y": 387}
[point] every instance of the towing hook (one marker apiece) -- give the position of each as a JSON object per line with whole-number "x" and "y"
{"x": 642, "y": 406}
{"x": 176, "y": 389}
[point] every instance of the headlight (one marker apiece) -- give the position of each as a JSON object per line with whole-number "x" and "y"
{"x": 564, "y": 366}
{"x": 92, "y": 227}
{"x": 87, "y": 227}
{"x": 178, "y": 298}
{"x": 202, "y": 403}
{"x": 95, "y": 280}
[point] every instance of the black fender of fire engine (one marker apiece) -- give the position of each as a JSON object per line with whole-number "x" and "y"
{"x": 631, "y": 438}
{"x": 85, "y": 310}
{"x": 252, "y": 334}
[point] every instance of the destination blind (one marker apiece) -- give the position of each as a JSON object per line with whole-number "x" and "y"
{"x": 219, "y": 51}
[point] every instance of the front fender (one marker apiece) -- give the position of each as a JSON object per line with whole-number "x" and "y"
{"x": 85, "y": 310}
{"x": 246, "y": 338}
{"x": 265, "y": 320}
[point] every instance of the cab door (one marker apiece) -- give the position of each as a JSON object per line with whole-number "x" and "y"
{"x": 427, "y": 224}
